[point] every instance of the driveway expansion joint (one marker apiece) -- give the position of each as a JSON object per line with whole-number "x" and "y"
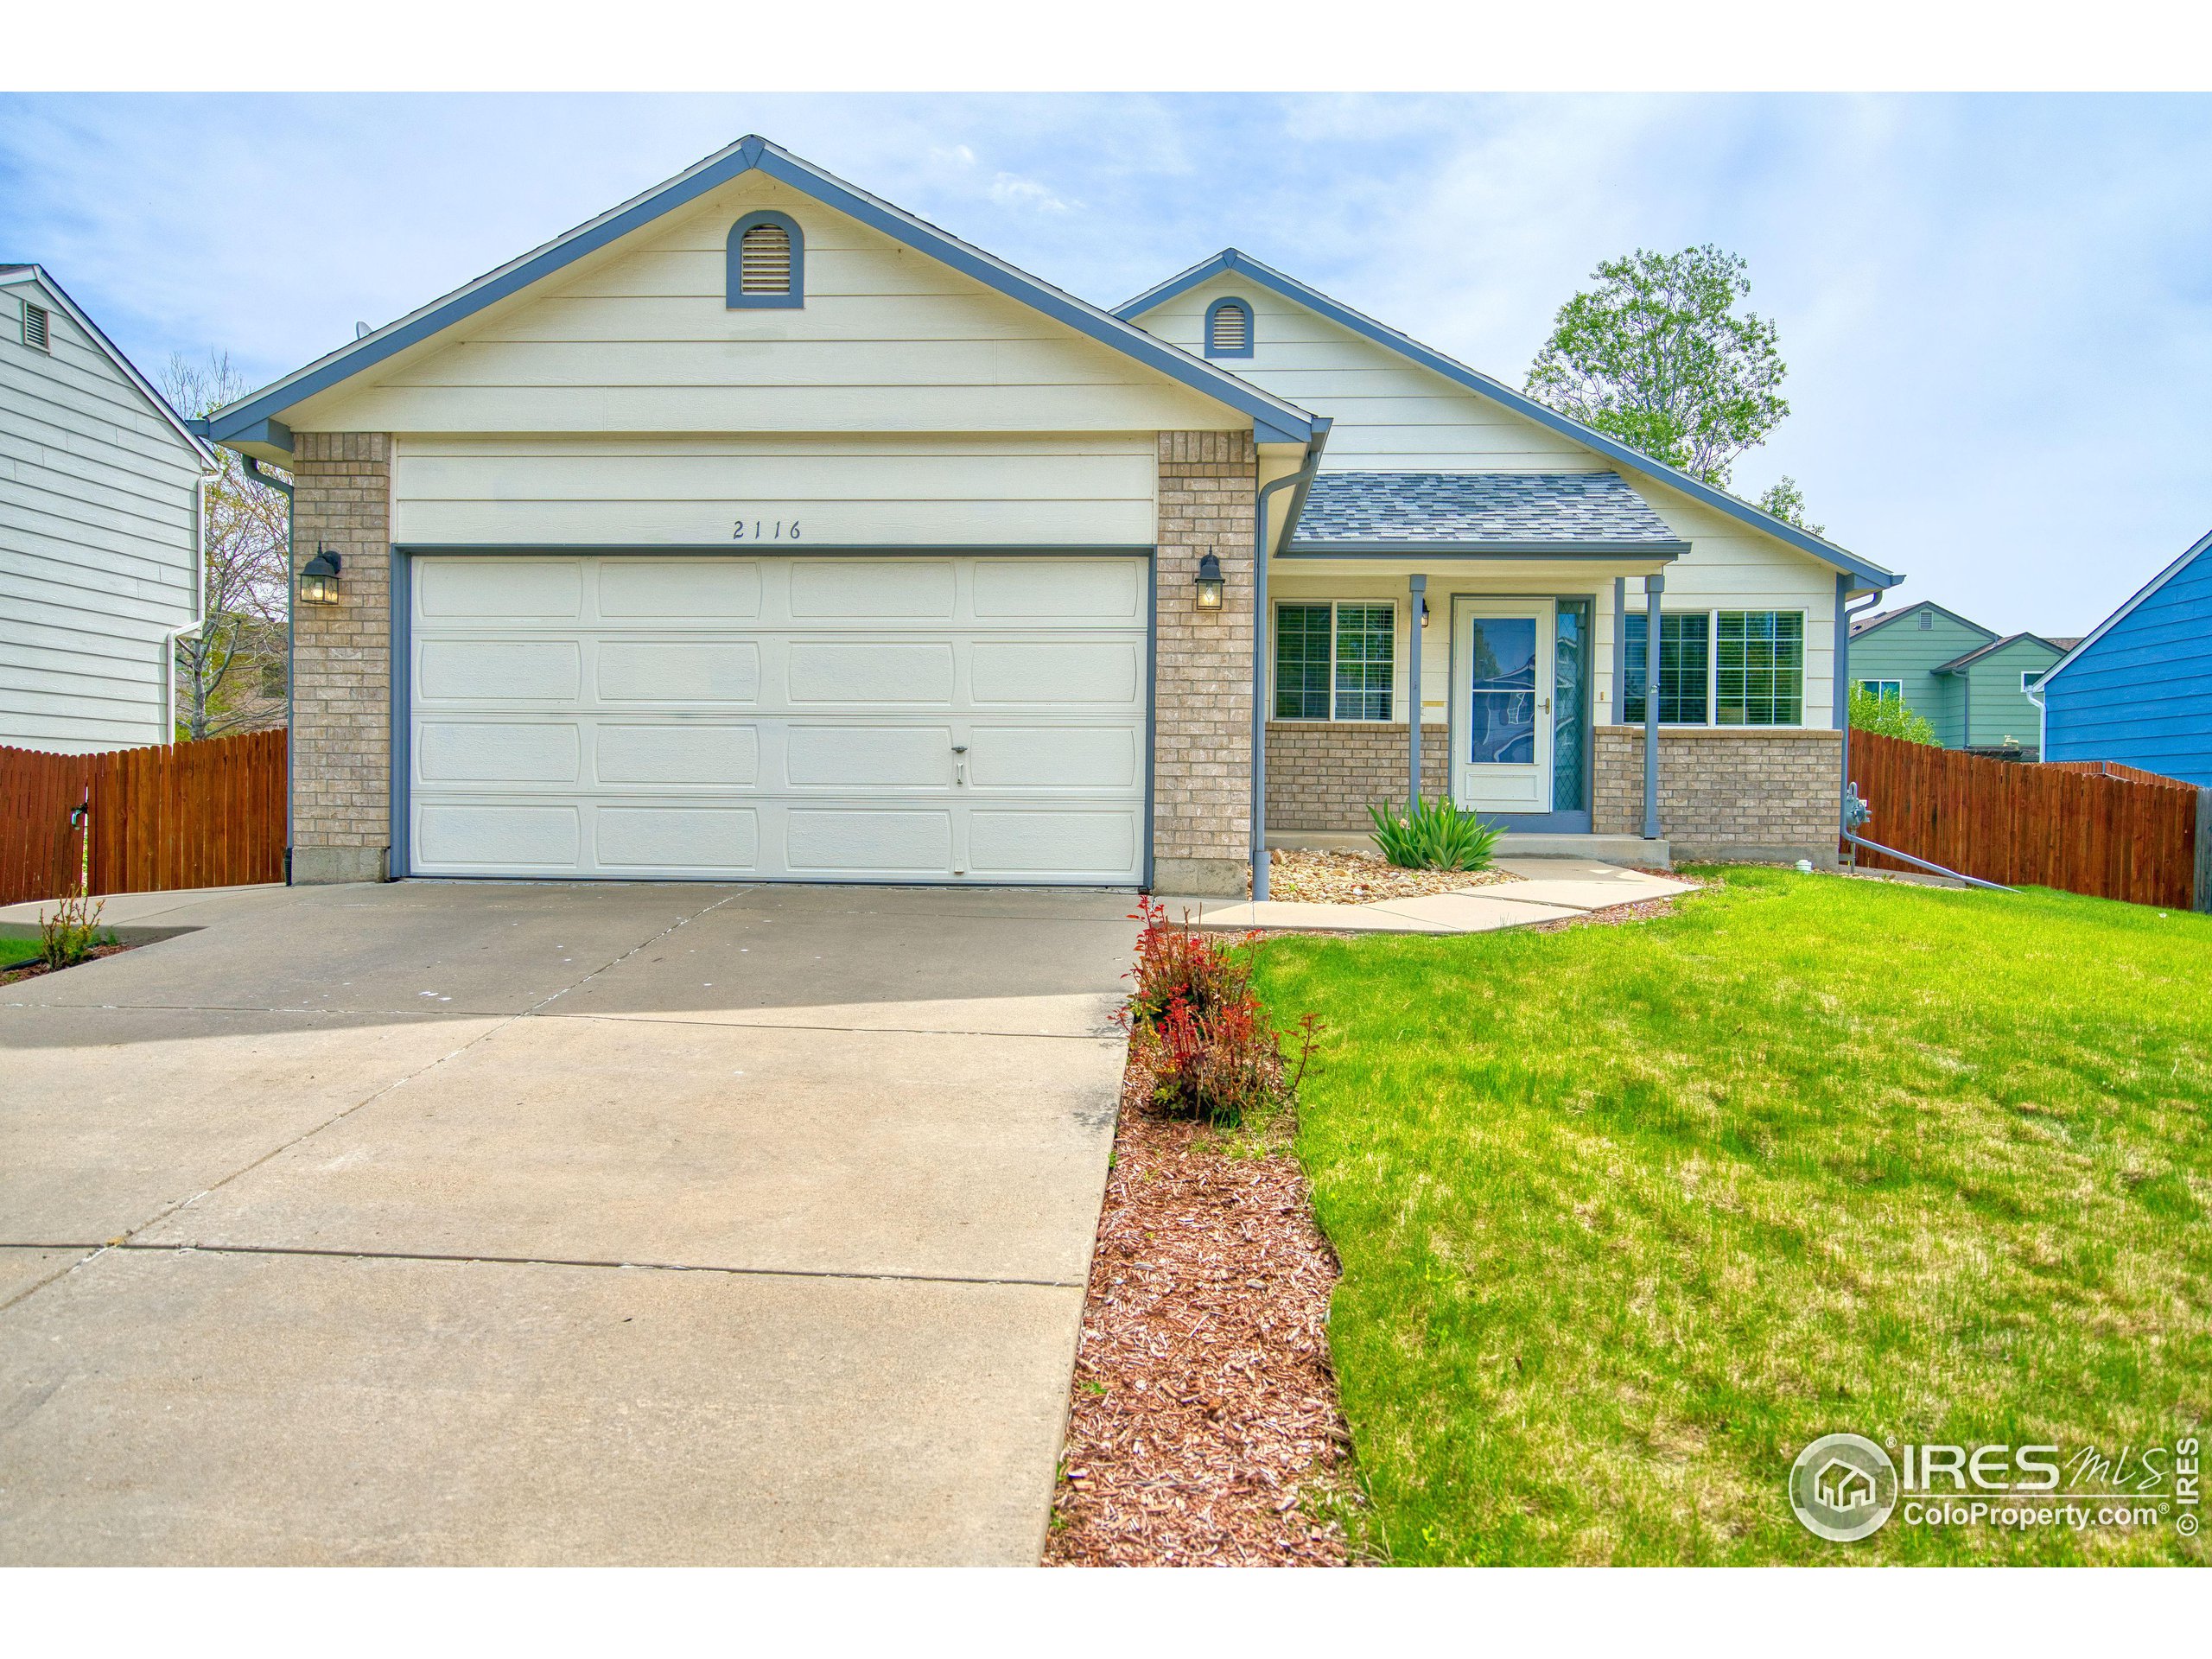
{"x": 879, "y": 1276}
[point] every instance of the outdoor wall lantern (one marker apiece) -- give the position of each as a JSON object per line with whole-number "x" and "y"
{"x": 318, "y": 578}
{"x": 1209, "y": 597}
{"x": 1424, "y": 610}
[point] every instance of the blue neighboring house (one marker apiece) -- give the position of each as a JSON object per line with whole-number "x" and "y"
{"x": 2137, "y": 689}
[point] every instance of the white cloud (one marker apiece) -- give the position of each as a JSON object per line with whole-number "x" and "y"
{"x": 1012, "y": 190}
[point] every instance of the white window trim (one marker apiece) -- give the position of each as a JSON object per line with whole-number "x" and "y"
{"x": 2031, "y": 678}
{"x": 1873, "y": 688}
{"x": 1275, "y": 661}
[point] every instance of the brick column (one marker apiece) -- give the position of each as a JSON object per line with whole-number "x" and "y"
{"x": 341, "y": 659}
{"x": 1202, "y": 691}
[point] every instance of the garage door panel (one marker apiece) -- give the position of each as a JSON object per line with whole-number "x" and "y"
{"x": 672, "y": 755}
{"x": 503, "y": 751}
{"x": 677, "y": 840}
{"x": 823, "y": 673}
{"x": 678, "y": 589}
{"x": 868, "y": 841}
{"x": 1037, "y": 841}
{"x": 664, "y": 672}
{"x": 1057, "y": 671}
{"x": 832, "y": 718}
{"x": 1056, "y": 757}
{"x": 502, "y": 591}
{"x": 837, "y": 590}
{"x": 488, "y": 836}
{"x": 868, "y": 757}
{"x": 1093, "y": 590}
{"x": 466, "y": 670}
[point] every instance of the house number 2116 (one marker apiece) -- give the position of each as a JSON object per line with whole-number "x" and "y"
{"x": 766, "y": 529}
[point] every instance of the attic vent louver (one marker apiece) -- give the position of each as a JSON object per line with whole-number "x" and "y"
{"x": 36, "y": 334}
{"x": 1228, "y": 329}
{"x": 764, "y": 259}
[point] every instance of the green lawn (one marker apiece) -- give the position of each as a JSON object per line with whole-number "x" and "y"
{"x": 1629, "y": 1215}
{"x": 14, "y": 953}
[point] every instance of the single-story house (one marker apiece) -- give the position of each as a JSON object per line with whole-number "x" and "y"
{"x": 100, "y": 569}
{"x": 1971, "y": 683}
{"x": 2138, "y": 688}
{"x": 759, "y": 529}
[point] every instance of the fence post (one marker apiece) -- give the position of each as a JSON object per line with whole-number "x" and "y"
{"x": 2202, "y": 888}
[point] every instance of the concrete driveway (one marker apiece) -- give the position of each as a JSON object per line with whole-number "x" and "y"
{"x": 517, "y": 1223}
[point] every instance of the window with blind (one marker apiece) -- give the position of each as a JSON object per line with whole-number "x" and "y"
{"x": 1228, "y": 328}
{"x": 1684, "y": 666}
{"x": 766, "y": 263}
{"x": 1335, "y": 661}
{"x": 1759, "y": 677}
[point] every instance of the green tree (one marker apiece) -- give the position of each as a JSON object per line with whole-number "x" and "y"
{"x": 1889, "y": 717}
{"x": 1787, "y": 502}
{"x": 1658, "y": 357}
{"x": 230, "y": 671}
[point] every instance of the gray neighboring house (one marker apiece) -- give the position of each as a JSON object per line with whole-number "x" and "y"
{"x": 100, "y": 565}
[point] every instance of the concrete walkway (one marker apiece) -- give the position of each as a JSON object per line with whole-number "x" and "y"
{"x": 1550, "y": 888}
{"x": 452, "y": 1223}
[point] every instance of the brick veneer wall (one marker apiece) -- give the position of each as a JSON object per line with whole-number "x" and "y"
{"x": 1725, "y": 792}
{"x": 1202, "y": 693}
{"x": 1321, "y": 775}
{"x": 342, "y": 660}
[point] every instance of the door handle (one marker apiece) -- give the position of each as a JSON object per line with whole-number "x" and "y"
{"x": 960, "y": 766}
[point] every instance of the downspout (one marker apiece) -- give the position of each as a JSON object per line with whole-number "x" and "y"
{"x": 170, "y": 635}
{"x": 1847, "y": 791}
{"x": 1299, "y": 480}
{"x": 253, "y": 471}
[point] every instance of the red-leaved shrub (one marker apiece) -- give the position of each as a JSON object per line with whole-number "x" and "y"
{"x": 1193, "y": 1020}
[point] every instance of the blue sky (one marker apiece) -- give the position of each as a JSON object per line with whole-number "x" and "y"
{"x": 1996, "y": 310}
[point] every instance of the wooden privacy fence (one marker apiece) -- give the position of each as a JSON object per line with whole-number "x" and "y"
{"x": 2072, "y": 826}
{"x": 190, "y": 814}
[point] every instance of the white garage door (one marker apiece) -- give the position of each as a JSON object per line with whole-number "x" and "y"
{"x": 919, "y": 718}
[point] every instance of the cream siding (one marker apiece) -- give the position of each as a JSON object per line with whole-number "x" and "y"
{"x": 98, "y": 507}
{"x": 1391, "y": 414}
{"x": 940, "y": 491}
{"x": 636, "y": 338}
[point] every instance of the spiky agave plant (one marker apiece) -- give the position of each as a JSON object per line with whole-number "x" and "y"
{"x": 1434, "y": 836}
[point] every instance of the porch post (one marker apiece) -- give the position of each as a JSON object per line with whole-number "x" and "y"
{"x": 1654, "y": 586}
{"x": 1417, "y": 587}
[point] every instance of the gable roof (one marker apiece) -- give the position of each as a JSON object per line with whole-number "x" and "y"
{"x": 1883, "y": 618}
{"x": 2120, "y": 615}
{"x": 1289, "y": 288}
{"x": 252, "y": 418}
{"x": 1499, "y": 512}
{"x": 1980, "y": 651}
{"x": 12, "y": 275}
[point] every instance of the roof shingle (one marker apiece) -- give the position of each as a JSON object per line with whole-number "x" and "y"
{"x": 1510, "y": 508}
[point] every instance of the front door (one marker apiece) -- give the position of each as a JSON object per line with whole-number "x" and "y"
{"x": 1502, "y": 683}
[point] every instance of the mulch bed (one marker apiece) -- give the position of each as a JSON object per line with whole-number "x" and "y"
{"x": 1203, "y": 1428}
{"x": 32, "y": 970}
{"x": 1363, "y": 877}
